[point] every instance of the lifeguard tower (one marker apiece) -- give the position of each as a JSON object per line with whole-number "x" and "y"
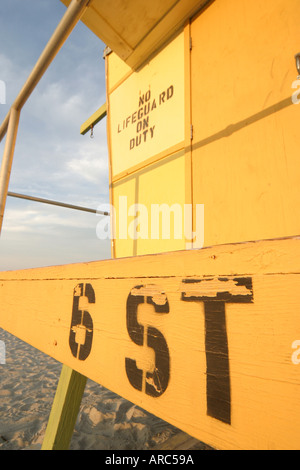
{"x": 196, "y": 319}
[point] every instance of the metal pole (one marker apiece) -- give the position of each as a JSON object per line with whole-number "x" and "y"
{"x": 61, "y": 33}
{"x": 7, "y": 160}
{"x": 56, "y": 203}
{"x": 10, "y": 123}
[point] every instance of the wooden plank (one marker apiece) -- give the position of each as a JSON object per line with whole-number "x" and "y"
{"x": 93, "y": 120}
{"x": 139, "y": 28}
{"x": 250, "y": 192}
{"x": 64, "y": 410}
{"x": 209, "y": 333}
{"x": 128, "y": 191}
{"x": 147, "y": 110}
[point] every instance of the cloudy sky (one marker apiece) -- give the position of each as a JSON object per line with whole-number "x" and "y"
{"x": 52, "y": 160}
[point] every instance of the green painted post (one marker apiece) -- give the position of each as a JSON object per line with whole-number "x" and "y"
{"x": 64, "y": 410}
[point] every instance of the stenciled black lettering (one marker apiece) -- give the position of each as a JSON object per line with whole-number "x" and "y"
{"x": 170, "y": 92}
{"x": 133, "y": 117}
{"x": 141, "y": 100}
{"x": 162, "y": 97}
{"x": 157, "y": 380}
{"x": 148, "y": 96}
{"x": 145, "y": 135}
{"x": 138, "y": 140}
{"x": 140, "y": 113}
{"x": 152, "y": 131}
{"x": 153, "y": 106}
{"x": 215, "y": 293}
{"x": 142, "y": 116}
{"x": 146, "y": 109}
{"x": 81, "y": 323}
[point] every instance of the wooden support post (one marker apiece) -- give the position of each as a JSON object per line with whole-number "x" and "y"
{"x": 64, "y": 410}
{"x": 93, "y": 120}
{"x": 71, "y": 384}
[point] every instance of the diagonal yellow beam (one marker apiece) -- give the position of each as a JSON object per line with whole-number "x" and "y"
{"x": 7, "y": 160}
{"x": 61, "y": 33}
{"x": 93, "y": 120}
{"x": 10, "y": 124}
{"x": 10, "y": 127}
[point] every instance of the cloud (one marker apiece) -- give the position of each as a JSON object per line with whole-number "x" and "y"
{"x": 51, "y": 157}
{"x": 43, "y": 220}
{"x": 88, "y": 164}
{"x": 37, "y": 235}
{"x": 14, "y": 77}
{"x": 54, "y": 106}
{"x": 53, "y": 160}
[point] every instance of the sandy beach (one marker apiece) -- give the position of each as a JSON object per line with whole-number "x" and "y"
{"x": 105, "y": 421}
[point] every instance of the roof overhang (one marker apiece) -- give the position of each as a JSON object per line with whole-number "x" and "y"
{"x": 135, "y": 29}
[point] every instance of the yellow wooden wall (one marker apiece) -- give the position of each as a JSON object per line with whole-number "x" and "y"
{"x": 154, "y": 172}
{"x": 246, "y": 129}
{"x": 233, "y": 92}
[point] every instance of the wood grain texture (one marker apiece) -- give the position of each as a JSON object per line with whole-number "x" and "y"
{"x": 246, "y": 141}
{"x": 93, "y": 120}
{"x": 134, "y": 30}
{"x": 125, "y": 324}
